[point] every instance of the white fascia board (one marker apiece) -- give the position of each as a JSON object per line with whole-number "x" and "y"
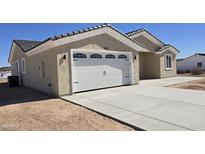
{"x": 105, "y": 30}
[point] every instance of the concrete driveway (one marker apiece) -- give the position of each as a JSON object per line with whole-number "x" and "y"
{"x": 148, "y": 107}
{"x": 167, "y": 81}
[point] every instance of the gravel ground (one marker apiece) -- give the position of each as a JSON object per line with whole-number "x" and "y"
{"x": 25, "y": 109}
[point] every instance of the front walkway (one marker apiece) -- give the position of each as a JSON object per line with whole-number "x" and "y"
{"x": 148, "y": 107}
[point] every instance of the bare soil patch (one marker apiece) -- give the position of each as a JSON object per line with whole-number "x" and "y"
{"x": 24, "y": 109}
{"x": 194, "y": 85}
{"x": 190, "y": 74}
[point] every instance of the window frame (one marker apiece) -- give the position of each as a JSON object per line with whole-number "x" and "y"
{"x": 200, "y": 65}
{"x": 79, "y": 55}
{"x": 122, "y": 56}
{"x": 17, "y": 68}
{"x": 110, "y": 56}
{"x": 23, "y": 67}
{"x": 166, "y": 63}
{"x": 100, "y": 56}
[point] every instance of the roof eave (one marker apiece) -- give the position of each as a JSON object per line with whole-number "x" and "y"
{"x": 89, "y": 30}
{"x": 168, "y": 48}
{"x": 9, "y": 59}
{"x": 105, "y": 30}
{"x": 11, "y": 52}
{"x": 144, "y": 31}
{"x": 41, "y": 47}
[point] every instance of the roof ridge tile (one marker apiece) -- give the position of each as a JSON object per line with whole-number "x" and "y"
{"x": 56, "y": 37}
{"x": 135, "y": 32}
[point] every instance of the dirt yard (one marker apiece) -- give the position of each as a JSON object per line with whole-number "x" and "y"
{"x": 190, "y": 74}
{"x": 194, "y": 85}
{"x": 25, "y": 109}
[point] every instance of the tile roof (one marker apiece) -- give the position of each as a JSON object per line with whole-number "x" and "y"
{"x": 27, "y": 45}
{"x": 134, "y": 32}
{"x": 165, "y": 46}
{"x": 80, "y": 31}
{"x": 129, "y": 34}
{"x": 91, "y": 29}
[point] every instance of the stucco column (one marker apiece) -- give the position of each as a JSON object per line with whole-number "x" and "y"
{"x": 135, "y": 67}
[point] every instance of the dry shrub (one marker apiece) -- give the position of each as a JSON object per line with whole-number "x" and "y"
{"x": 196, "y": 72}
{"x": 183, "y": 71}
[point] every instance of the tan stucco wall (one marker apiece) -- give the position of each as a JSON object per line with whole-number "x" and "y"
{"x": 18, "y": 54}
{"x": 49, "y": 83}
{"x": 153, "y": 65}
{"x": 33, "y": 76}
{"x": 136, "y": 67}
{"x": 146, "y": 43}
{"x": 149, "y": 64}
{"x": 97, "y": 42}
{"x": 58, "y": 70}
{"x": 167, "y": 73}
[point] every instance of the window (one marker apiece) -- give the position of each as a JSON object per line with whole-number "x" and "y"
{"x": 23, "y": 66}
{"x": 95, "y": 56}
{"x": 17, "y": 67}
{"x": 199, "y": 64}
{"x": 79, "y": 55}
{"x": 43, "y": 69}
{"x": 110, "y": 56}
{"x": 168, "y": 61}
{"x": 122, "y": 57}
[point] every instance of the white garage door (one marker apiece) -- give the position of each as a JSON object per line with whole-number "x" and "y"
{"x": 100, "y": 69}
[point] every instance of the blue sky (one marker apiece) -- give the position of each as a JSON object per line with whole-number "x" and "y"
{"x": 188, "y": 38}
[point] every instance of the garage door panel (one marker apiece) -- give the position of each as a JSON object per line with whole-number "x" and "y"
{"x": 94, "y": 73}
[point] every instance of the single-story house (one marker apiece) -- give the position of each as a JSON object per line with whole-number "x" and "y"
{"x": 193, "y": 62}
{"x": 91, "y": 58}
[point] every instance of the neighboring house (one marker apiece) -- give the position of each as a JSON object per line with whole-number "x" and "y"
{"x": 92, "y": 58}
{"x": 5, "y": 72}
{"x": 196, "y": 61}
